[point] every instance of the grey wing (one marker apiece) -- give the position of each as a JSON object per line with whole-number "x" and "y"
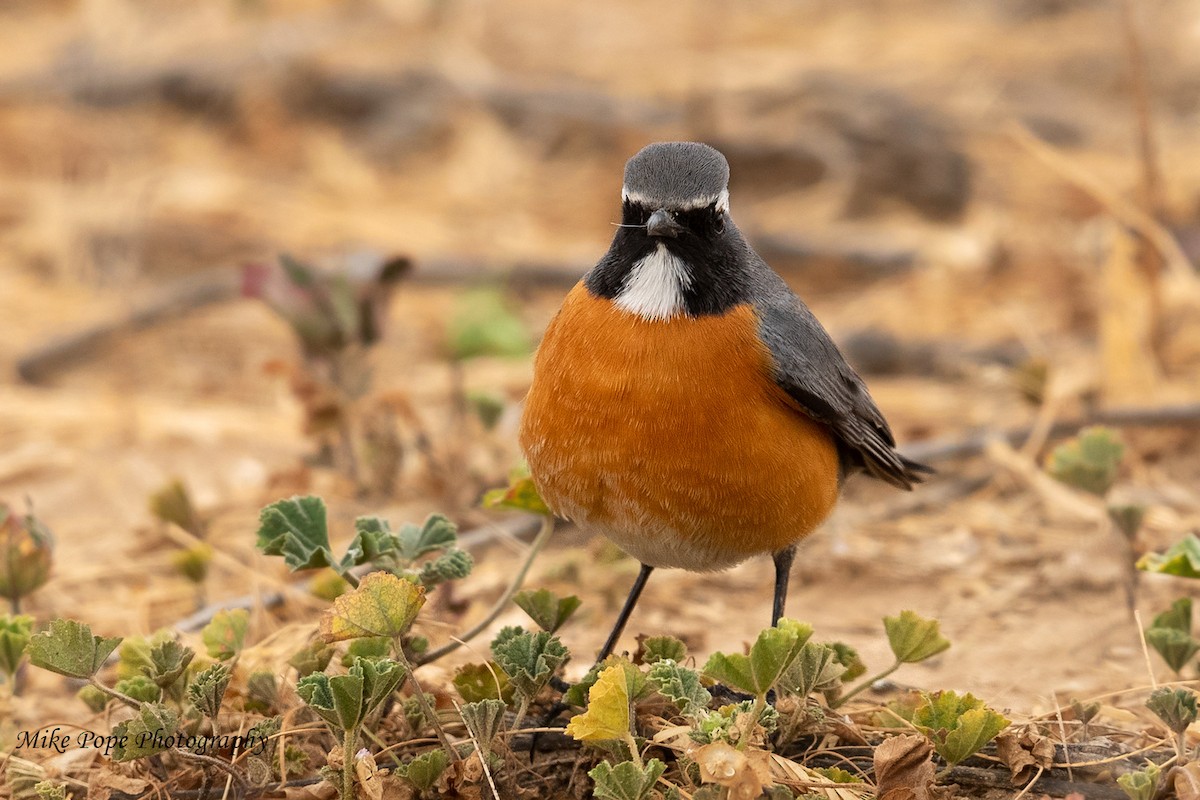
{"x": 811, "y": 369}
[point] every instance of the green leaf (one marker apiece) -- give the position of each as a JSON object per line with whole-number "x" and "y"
{"x": 848, "y": 657}
{"x": 547, "y": 609}
{"x": 607, "y": 714}
{"x": 477, "y": 682}
{"x": 207, "y": 690}
{"x": 975, "y": 728}
{"x": 345, "y": 700}
{"x": 1175, "y": 707}
{"x": 49, "y": 790}
{"x": 424, "y": 770}
{"x": 626, "y": 781}
{"x": 69, "y": 648}
{"x": 168, "y": 660}
{"x": 93, "y": 698}
{"x": 489, "y": 407}
{"x": 529, "y": 659}
{"x": 914, "y": 638}
{"x": 483, "y": 719}
{"x": 15, "y": 631}
{"x": 146, "y": 734}
{"x": 373, "y": 539}
{"x": 816, "y": 669}
{"x": 519, "y": 495}
{"x": 436, "y": 533}
{"x": 452, "y": 565}
{"x": 382, "y": 605}
{"x": 262, "y": 692}
{"x": 193, "y": 563}
{"x": 172, "y": 503}
{"x": 1141, "y": 785}
{"x": 374, "y": 647}
{"x": 26, "y": 554}
{"x": 225, "y": 636}
{"x": 1128, "y": 518}
{"x": 1175, "y": 646}
{"x": 958, "y": 726}
{"x": 1089, "y": 462}
{"x": 1177, "y": 617}
{"x": 1181, "y": 559}
{"x": 836, "y": 775}
{"x": 662, "y": 648}
{"x": 140, "y": 687}
{"x": 772, "y": 653}
{"x": 313, "y": 657}
{"x": 483, "y": 325}
{"x": 681, "y": 686}
{"x": 295, "y": 529}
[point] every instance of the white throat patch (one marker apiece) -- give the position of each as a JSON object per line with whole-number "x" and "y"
{"x": 654, "y": 287}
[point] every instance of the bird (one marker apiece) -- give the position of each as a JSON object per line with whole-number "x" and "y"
{"x": 685, "y": 403}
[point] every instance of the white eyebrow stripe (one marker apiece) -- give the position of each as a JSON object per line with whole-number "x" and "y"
{"x": 720, "y": 200}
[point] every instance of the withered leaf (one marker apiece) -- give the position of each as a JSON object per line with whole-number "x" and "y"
{"x": 904, "y": 768}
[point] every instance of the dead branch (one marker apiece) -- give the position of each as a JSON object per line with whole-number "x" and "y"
{"x": 1181, "y": 416}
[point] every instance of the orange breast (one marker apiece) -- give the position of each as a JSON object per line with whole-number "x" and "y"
{"x": 671, "y": 437}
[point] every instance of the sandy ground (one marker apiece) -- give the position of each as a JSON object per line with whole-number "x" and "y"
{"x": 100, "y": 205}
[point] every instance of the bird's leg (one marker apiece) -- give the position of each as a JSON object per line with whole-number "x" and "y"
{"x": 630, "y": 602}
{"x": 783, "y": 571}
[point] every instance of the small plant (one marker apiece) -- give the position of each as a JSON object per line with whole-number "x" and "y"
{"x": 1170, "y": 635}
{"x": 958, "y": 726}
{"x": 912, "y": 639}
{"x": 1090, "y": 461}
{"x": 337, "y": 316}
{"x": 296, "y": 530}
{"x": 26, "y": 555}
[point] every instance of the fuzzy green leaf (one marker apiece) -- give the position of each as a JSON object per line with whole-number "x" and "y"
{"x": 772, "y": 653}
{"x": 483, "y": 719}
{"x": 1181, "y": 559}
{"x": 373, "y": 538}
{"x": 93, "y": 698}
{"x": 546, "y": 608}
{"x": 848, "y": 657}
{"x": 168, "y": 660}
{"x": 816, "y": 669}
{"x": 296, "y": 529}
{"x": 452, "y": 565}
{"x": 681, "y": 686}
{"x": 1089, "y": 462}
{"x": 15, "y": 632}
{"x": 345, "y": 700}
{"x": 50, "y": 790}
{"x": 262, "y": 692}
{"x": 914, "y": 638}
{"x": 626, "y": 781}
{"x": 207, "y": 690}
{"x": 69, "y": 648}
{"x": 436, "y": 533}
{"x": 529, "y": 659}
{"x": 225, "y": 636}
{"x": 424, "y": 770}
{"x": 140, "y": 687}
{"x": 661, "y": 648}
{"x": 146, "y": 734}
{"x": 1175, "y": 707}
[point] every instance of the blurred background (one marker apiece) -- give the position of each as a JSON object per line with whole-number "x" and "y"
{"x": 992, "y": 205}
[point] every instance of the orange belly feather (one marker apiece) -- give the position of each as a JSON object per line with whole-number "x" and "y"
{"x": 672, "y": 438}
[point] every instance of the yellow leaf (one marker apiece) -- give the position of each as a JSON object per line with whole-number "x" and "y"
{"x": 607, "y": 715}
{"x": 382, "y": 605}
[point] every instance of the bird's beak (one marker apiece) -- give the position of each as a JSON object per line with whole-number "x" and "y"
{"x": 661, "y": 223}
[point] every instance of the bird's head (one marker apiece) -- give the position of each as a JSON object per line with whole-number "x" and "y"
{"x": 676, "y": 190}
